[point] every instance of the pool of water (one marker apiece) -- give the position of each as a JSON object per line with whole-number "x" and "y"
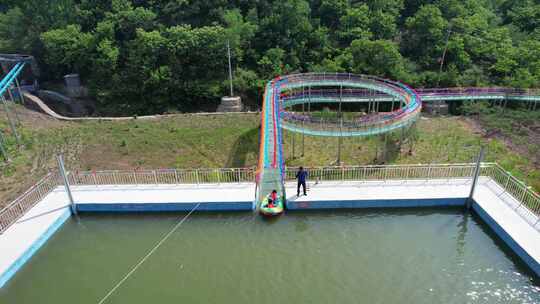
{"x": 417, "y": 256}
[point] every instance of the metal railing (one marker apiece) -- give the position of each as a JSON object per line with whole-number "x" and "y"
{"x": 389, "y": 172}
{"x": 528, "y": 202}
{"x": 162, "y": 176}
{"x": 18, "y": 207}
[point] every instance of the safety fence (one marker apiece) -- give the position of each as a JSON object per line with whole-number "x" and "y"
{"x": 19, "y": 206}
{"x": 389, "y": 172}
{"x": 162, "y": 176}
{"x": 528, "y": 200}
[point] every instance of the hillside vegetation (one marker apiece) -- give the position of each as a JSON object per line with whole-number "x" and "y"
{"x": 154, "y": 56}
{"x": 194, "y": 141}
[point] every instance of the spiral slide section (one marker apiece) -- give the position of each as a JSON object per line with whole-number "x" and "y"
{"x": 347, "y": 88}
{"x": 283, "y": 92}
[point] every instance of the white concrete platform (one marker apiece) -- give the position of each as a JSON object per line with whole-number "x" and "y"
{"x": 382, "y": 190}
{"x": 510, "y": 221}
{"x": 159, "y": 194}
{"x": 21, "y": 240}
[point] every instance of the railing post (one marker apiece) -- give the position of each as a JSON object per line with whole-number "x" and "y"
{"x": 407, "y": 171}
{"x": 115, "y": 178}
{"x": 522, "y": 201}
{"x": 238, "y": 174}
{"x": 342, "y": 174}
{"x": 197, "y": 176}
{"x": 62, "y": 170}
{"x": 475, "y": 177}
{"x": 507, "y": 181}
{"x": 505, "y": 187}
{"x": 155, "y": 177}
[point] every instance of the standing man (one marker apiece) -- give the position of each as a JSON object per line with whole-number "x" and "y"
{"x": 301, "y": 175}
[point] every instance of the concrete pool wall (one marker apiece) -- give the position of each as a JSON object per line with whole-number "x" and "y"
{"x": 20, "y": 241}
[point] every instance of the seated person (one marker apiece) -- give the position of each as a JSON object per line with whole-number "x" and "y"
{"x": 272, "y": 199}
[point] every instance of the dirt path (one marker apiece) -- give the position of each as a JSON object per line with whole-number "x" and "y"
{"x": 36, "y": 101}
{"x": 533, "y": 135}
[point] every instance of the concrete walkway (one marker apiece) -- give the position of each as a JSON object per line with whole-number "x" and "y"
{"x": 398, "y": 193}
{"x": 498, "y": 209}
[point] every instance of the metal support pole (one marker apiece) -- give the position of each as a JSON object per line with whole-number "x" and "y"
{"x": 444, "y": 54}
{"x": 385, "y": 147}
{"x": 17, "y": 119}
{"x": 2, "y": 148}
{"x": 10, "y": 94}
{"x": 21, "y": 96}
{"x": 63, "y": 172}
{"x": 338, "y": 160}
{"x": 303, "y": 121}
{"x": 230, "y": 68}
{"x": 11, "y": 123}
{"x": 475, "y": 177}
{"x": 293, "y": 143}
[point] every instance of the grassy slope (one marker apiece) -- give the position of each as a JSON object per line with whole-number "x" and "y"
{"x": 222, "y": 141}
{"x": 519, "y": 127}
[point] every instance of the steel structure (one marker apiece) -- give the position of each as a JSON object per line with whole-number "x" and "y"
{"x": 450, "y": 94}
{"x": 283, "y": 92}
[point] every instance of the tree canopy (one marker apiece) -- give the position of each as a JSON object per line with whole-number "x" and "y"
{"x": 154, "y": 56}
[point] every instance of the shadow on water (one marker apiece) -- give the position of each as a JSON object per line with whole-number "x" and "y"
{"x": 270, "y": 219}
{"x": 462, "y": 233}
{"x": 245, "y": 144}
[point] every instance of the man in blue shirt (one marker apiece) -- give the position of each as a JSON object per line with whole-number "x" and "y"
{"x": 301, "y": 175}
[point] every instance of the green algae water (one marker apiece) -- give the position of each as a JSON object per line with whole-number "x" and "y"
{"x": 417, "y": 256}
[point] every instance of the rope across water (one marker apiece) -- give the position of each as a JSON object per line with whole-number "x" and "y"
{"x": 132, "y": 271}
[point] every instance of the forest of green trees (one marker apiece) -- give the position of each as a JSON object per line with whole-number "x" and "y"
{"x": 155, "y": 56}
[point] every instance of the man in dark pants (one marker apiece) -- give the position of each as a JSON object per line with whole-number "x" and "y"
{"x": 301, "y": 175}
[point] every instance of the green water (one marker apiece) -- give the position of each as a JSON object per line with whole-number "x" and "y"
{"x": 418, "y": 256}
